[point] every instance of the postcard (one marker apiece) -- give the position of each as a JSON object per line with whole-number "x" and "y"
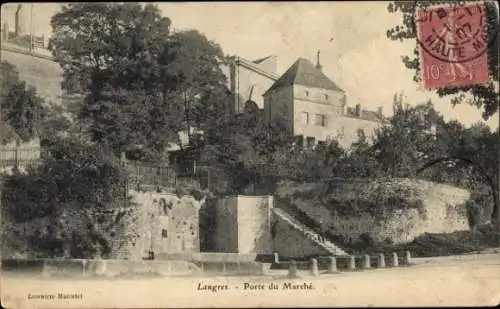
{"x": 249, "y": 154}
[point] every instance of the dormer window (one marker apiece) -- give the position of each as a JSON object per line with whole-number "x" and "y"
{"x": 307, "y": 93}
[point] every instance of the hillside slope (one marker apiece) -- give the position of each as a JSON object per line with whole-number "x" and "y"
{"x": 392, "y": 210}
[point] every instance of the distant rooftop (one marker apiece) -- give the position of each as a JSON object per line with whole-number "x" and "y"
{"x": 364, "y": 114}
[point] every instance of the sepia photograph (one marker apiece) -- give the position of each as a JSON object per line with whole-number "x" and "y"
{"x": 249, "y": 154}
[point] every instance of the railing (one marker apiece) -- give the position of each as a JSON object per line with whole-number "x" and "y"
{"x": 150, "y": 175}
{"x": 20, "y": 157}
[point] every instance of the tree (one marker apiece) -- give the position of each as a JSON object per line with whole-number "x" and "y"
{"x": 138, "y": 80}
{"x": 20, "y": 106}
{"x": 109, "y": 55}
{"x": 194, "y": 68}
{"x": 406, "y": 139}
{"x": 484, "y": 97}
{"x": 361, "y": 161}
{"x": 416, "y": 141}
{"x": 70, "y": 204}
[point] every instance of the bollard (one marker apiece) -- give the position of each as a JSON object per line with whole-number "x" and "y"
{"x": 381, "y": 260}
{"x": 100, "y": 267}
{"x": 84, "y": 265}
{"x": 276, "y": 258}
{"x": 332, "y": 267}
{"x": 352, "y": 263}
{"x": 395, "y": 262}
{"x": 292, "y": 270}
{"x": 407, "y": 258}
{"x": 45, "y": 270}
{"x": 314, "y": 267}
{"x": 366, "y": 262}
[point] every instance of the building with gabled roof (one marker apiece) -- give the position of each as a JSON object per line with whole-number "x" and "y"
{"x": 314, "y": 109}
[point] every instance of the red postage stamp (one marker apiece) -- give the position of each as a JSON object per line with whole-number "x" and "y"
{"x": 453, "y": 45}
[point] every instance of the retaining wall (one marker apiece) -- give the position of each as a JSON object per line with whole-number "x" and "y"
{"x": 109, "y": 268}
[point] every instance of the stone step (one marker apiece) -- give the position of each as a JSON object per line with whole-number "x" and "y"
{"x": 310, "y": 234}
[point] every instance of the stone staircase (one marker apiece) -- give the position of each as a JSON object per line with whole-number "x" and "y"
{"x": 309, "y": 233}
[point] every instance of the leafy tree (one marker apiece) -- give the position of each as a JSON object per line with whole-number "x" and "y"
{"x": 406, "y": 139}
{"x": 20, "y": 106}
{"x": 484, "y": 96}
{"x": 361, "y": 161}
{"x": 138, "y": 80}
{"x": 194, "y": 68}
{"x": 416, "y": 141}
{"x": 68, "y": 205}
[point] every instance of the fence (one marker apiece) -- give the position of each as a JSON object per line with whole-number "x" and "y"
{"x": 150, "y": 174}
{"x": 159, "y": 175}
{"x": 20, "y": 156}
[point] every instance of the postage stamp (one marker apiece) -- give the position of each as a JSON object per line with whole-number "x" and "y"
{"x": 237, "y": 155}
{"x": 453, "y": 45}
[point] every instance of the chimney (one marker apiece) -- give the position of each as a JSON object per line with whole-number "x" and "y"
{"x": 380, "y": 110}
{"x": 358, "y": 110}
{"x": 318, "y": 64}
{"x": 17, "y": 25}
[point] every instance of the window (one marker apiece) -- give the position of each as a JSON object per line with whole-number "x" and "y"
{"x": 164, "y": 233}
{"x": 326, "y": 96}
{"x": 307, "y": 93}
{"x": 321, "y": 120}
{"x": 305, "y": 117}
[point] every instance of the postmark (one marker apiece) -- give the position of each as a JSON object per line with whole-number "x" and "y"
{"x": 453, "y": 41}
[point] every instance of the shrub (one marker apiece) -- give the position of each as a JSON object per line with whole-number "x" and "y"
{"x": 66, "y": 205}
{"x": 367, "y": 239}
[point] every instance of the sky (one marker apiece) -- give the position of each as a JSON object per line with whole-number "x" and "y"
{"x": 355, "y": 52}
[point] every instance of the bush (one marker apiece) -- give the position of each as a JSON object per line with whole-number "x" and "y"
{"x": 367, "y": 239}
{"x": 64, "y": 204}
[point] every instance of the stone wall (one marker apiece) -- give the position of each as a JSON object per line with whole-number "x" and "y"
{"x": 165, "y": 223}
{"x": 242, "y": 224}
{"x": 278, "y": 104}
{"x": 254, "y": 224}
{"x": 44, "y": 74}
{"x": 226, "y": 225}
{"x": 441, "y": 210}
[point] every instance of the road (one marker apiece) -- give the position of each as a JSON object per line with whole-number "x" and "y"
{"x": 469, "y": 280}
